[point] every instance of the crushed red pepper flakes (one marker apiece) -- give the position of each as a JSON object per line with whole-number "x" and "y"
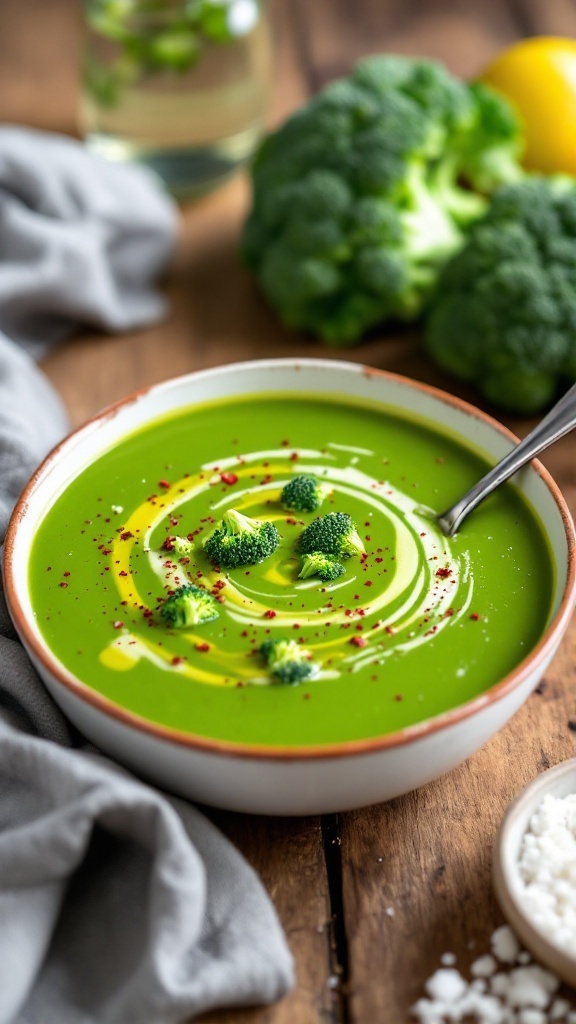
{"x": 126, "y": 534}
{"x": 219, "y": 584}
{"x": 358, "y": 641}
{"x": 63, "y": 584}
{"x": 164, "y": 483}
{"x": 368, "y": 583}
{"x": 443, "y": 573}
{"x": 118, "y": 624}
{"x": 474, "y": 616}
{"x": 294, "y": 457}
{"x": 203, "y": 648}
{"x": 269, "y": 614}
{"x": 176, "y": 660}
{"x": 66, "y": 573}
{"x": 229, "y": 478}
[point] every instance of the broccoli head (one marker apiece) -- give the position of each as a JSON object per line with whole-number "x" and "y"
{"x": 189, "y": 606}
{"x": 332, "y": 534}
{"x": 288, "y": 661}
{"x": 504, "y": 315}
{"x": 304, "y": 493}
{"x": 360, "y": 197}
{"x": 239, "y": 540}
{"x": 318, "y": 564}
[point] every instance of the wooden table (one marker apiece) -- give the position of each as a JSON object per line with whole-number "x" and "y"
{"x": 369, "y": 900}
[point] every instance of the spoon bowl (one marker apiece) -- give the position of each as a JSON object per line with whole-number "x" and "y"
{"x": 559, "y": 421}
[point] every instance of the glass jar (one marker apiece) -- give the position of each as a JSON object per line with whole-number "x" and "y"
{"x": 178, "y": 85}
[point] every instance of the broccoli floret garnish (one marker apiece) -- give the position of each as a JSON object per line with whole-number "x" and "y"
{"x": 318, "y": 564}
{"x": 363, "y": 194}
{"x": 239, "y": 540}
{"x": 304, "y": 493}
{"x": 288, "y": 661}
{"x": 181, "y": 545}
{"x": 189, "y": 606}
{"x": 332, "y": 534}
{"x": 504, "y": 314}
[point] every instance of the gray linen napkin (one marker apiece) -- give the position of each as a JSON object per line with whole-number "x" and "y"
{"x": 118, "y": 904}
{"x": 81, "y": 240}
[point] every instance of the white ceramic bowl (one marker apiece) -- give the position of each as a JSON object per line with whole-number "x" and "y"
{"x": 261, "y": 779}
{"x": 557, "y": 782}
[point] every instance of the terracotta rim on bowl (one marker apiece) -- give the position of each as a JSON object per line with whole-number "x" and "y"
{"x": 281, "y": 753}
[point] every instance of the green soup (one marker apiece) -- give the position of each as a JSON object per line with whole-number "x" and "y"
{"x": 420, "y": 625}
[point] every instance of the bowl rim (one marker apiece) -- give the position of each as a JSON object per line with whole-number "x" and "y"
{"x": 261, "y": 752}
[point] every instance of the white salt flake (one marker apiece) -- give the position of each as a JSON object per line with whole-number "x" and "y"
{"x": 427, "y": 1012}
{"x": 448, "y": 959}
{"x": 484, "y": 966}
{"x": 390, "y": 911}
{"x": 446, "y": 985}
{"x": 488, "y": 1010}
{"x": 117, "y": 509}
{"x": 559, "y": 1009}
{"x": 531, "y": 1016}
{"x": 499, "y": 985}
{"x": 505, "y": 945}
{"x": 531, "y": 986}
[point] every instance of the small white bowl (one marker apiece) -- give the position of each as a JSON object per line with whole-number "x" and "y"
{"x": 558, "y": 782}
{"x": 307, "y": 780}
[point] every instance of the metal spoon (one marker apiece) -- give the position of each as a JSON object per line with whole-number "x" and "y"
{"x": 559, "y": 421}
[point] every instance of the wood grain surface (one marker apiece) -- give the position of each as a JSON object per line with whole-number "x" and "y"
{"x": 369, "y": 900}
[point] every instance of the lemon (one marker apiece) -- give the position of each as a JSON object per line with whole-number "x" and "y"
{"x": 538, "y": 77}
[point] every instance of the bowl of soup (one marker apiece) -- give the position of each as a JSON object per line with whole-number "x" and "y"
{"x": 420, "y": 649}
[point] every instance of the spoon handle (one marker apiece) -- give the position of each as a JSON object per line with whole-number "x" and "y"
{"x": 559, "y": 421}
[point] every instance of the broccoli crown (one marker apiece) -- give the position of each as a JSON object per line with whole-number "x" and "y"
{"x": 189, "y": 606}
{"x": 358, "y": 197}
{"x": 504, "y": 316}
{"x": 332, "y": 534}
{"x": 239, "y": 540}
{"x": 318, "y": 564}
{"x": 304, "y": 493}
{"x": 288, "y": 661}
